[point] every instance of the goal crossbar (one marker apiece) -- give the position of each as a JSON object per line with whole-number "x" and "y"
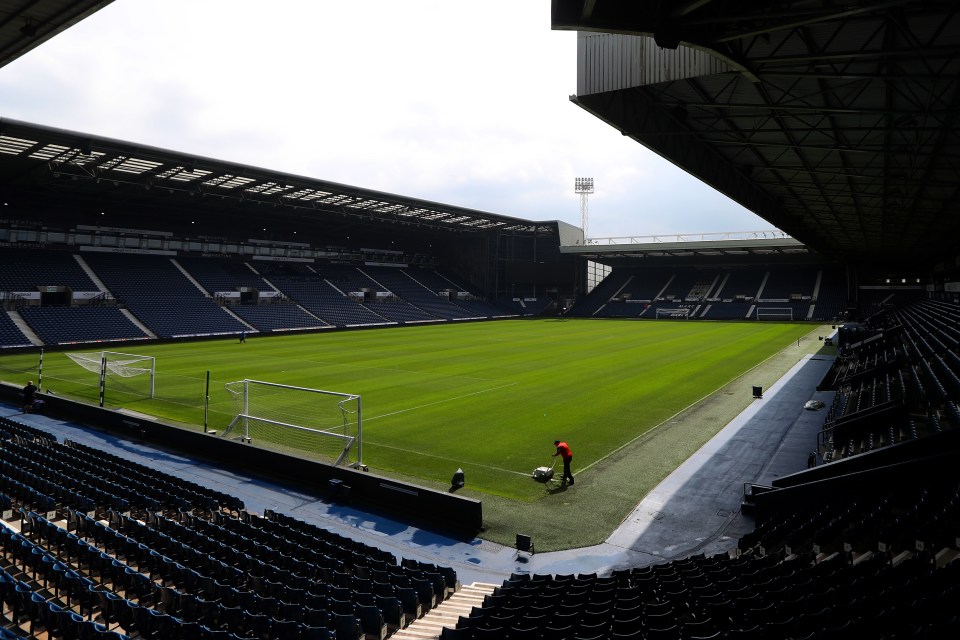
{"x": 349, "y": 396}
{"x": 677, "y": 312}
{"x": 294, "y": 409}
{"x": 774, "y": 313}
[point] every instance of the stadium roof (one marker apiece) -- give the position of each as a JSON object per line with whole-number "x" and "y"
{"x": 45, "y": 159}
{"x": 25, "y": 24}
{"x": 836, "y": 122}
{"x": 753, "y": 245}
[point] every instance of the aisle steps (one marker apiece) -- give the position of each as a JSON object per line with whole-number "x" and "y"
{"x": 447, "y": 613}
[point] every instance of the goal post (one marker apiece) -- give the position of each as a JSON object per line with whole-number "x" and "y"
{"x": 115, "y": 364}
{"x": 679, "y": 312}
{"x": 774, "y": 313}
{"x": 301, "y": 419}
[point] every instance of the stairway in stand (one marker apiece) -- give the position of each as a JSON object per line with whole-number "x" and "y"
{"x": 447, "y": 613}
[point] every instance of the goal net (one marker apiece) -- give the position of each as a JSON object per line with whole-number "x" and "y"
{"x": 774, "y": 313}
{"x": 680, "y": 312}
{"x": 297, "y": 419}
{"x": 121, "y": 367}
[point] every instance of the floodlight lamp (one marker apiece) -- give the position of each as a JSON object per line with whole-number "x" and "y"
{"x": 583, "y": 185}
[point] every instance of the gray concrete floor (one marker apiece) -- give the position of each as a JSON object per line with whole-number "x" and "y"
{"x": 696, "y": 509}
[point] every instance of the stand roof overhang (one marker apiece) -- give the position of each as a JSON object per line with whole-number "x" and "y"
{"x": 45, "y": 159}
{"x": 628, "y": 251}
{"x": 26, "y": 24}
{"x": 835, "y": 122}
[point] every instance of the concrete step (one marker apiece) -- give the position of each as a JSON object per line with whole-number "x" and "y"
{"x": 431, "y": 625}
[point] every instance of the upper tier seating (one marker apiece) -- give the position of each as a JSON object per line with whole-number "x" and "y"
{"x": 161, "y": 296}
{"x": 215, "y": 274}
{"x": 27, "y": 269}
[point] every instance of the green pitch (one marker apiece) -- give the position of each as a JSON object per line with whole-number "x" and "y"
{"x": 488, "y": 397}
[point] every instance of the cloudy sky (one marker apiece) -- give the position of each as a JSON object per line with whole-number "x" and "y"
{"x": 463, "y": 102}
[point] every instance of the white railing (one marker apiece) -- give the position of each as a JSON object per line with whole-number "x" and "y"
{"x": 767, "y": 234}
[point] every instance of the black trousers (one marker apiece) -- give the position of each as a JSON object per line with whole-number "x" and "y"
{"x": 567, "y": 476}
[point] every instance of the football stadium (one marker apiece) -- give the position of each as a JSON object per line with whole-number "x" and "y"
{"x": 238, "y": 402}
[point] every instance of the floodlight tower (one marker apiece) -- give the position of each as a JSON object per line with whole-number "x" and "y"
{"x": 583, "y": 186}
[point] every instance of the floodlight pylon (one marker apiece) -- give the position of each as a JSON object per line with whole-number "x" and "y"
{"x": 584, "y": 187}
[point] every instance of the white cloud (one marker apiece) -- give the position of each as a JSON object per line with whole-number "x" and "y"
{"x": 462, "y": 102}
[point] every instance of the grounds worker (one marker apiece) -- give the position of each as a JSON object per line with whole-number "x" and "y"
{"x": 563, "y": 450}
{"x": 29, "y": 396}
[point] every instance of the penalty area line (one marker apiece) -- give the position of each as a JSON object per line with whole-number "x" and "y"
{"x": 430, "y": 404}
{"x": 693, "y": 404}
{"x": 431, "y": 455}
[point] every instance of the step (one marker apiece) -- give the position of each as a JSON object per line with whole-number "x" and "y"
{"x": 447, "y": 613}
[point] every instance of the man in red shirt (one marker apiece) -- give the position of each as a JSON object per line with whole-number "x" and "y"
{"x": 563, "y": 450}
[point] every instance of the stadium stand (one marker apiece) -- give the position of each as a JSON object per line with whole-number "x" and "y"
{"x": 527, "y": 306}
{"x": 124, "y": 552}
{"x": 392, "y": 293}
{"x": 863, "y": 546}
{"x": 10, "y": 333}
{"x": 26, "y": 270}
{"x": 440, "y": 296}
{"x": 609, "y": 287}
{"x": 217, "y": 275}
{"x": 161, "y": 296}
{"x": 87, "y": 323}
{"x": 750, "y": 596}
{"x": 96, "y": 546}
{"x": 324, "y": 300}
{"x": 692, "y": 286}
{"x": 192, "y": 295}
{"x": 854, "y": 558}
{"x": 726, "y": 310}
{"x": 718, "y": 294}
{"x": 897, "y": 381}
{"x": 282, "y": 315}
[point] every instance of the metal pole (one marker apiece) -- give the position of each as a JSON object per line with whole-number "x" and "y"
{"x": 40, "y": 371}
{"x": 359, "y": 431}
{"x": 103, "y": 378}
{"x": 584, "y": 187}
{"x": 246, "y": 410}
{"x": 206, "y": 403}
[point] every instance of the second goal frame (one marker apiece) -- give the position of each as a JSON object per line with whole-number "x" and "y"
{"x": 674, "y": 312}
{"x": 288, "y": 407}
{"x": 774, "y": 313}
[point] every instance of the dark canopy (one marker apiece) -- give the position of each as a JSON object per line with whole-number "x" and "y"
{"x": 834, "y": 121}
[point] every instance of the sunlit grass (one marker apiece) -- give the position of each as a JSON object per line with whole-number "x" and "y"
{"x": 488, "y": 397}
